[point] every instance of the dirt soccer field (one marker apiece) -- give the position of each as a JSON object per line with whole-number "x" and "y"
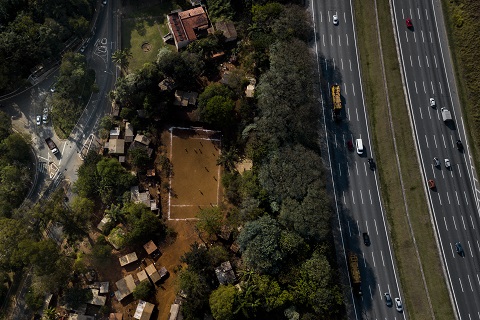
{"x": 195, "y": 181}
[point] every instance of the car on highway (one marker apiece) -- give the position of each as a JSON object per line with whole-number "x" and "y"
{"x": 447, "y": 164}
{"x": 409, "y": 23}
{"x": 436, "y": 162}
{"x": 359, "y": 146}
{"x": 398, "y": 305}
{"x": 104, "y": 2}
{"x": 350, "y": 145}
{"x": 371, "y": 163}
{"x": 459, "y": 249}
{"x": 432, "y": 102}
{"x": 335, "y": 19}
{"x": 431, "y": 184}
{"x": 388, "y": 299}
{"x": 459, "y": 145}
{"x": 366, "y": 239}
{"x": 39, "y": 120}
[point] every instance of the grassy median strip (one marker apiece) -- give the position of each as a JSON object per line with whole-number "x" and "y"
{"x": 416, "y": 295}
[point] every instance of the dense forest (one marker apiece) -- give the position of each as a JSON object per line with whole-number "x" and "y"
{"x": 33, "y": 32}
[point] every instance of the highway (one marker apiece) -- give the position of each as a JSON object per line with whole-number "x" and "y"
{"x": 358, "y": 201}
{"x": 428, "y": 73}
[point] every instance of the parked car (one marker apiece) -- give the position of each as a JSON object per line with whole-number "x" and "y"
{"x": 39, "y": 120}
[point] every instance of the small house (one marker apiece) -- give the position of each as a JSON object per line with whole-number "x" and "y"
{"x": 185, "y": 99}
{"x": 151, "y": 248}
{"x": 153, "y": 273}
{"x": 228, "y": 30}
{"x": 115, "y": 133}
{"x": 128, "y": 132}
{"x": 116, "y": 146}
{"x": 128, "y": 258}
{"x": 106, "y": 219}
{"x": 144, "y": 310}
{"x": 96, "y": 299}
{"x": 125, "y": 287}
{"x": 187, "y": 26}
{"x": 140, "y": 138}
{"x": 142, "y": 276}
{"x": 225, "y": 274}
{"x": 167, "y": 84}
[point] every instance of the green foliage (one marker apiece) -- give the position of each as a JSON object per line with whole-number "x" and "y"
{"x": 50, "y": 314}
{"x": 114, "y": 180}
{"x": 207, "y": 46}
{"x": 5, "y": 125}
{"x": 33, "y": 299}
{"x": 197, "y": 290}
{"x": 210, "y": 220}
{"x": 139, "y": 157}
{"x": 260, "y": 242}
{"x": 143, "y": 291}
{"x": 121, "y": 57}
{"x": 142, "y": 225}
{"x": 43, "y": 255}
{"x": 217, "y": 254}
{"x": 197, "y": 258}
{"x": 127, "y": 113}
{"x": 182, "y": 67}
{"x": 82, "y": 208}
{"x": 216, "y": 106}
{"x": 220, "y": 10}
{"x": 272, "y": 295}
{"x": 12, "y": 232}
{"x": 88, "y": 181}
{"x": 101, "y": 249}
{"x": 76, "y": 296}
{"x": 222, "y": 302}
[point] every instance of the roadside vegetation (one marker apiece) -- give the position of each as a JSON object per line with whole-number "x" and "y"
{"x": 423, "y": 282}
{"x": 462, "y": 24}
{"x": 33, "y": 34}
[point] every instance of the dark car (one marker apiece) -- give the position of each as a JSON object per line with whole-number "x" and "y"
{"x": 388, "y": 299}
{"x": 458, "y": 247}
{"x": 409, "y": 23}
{"x": 459, "y": 145}
{"x": 431, "y": 184}
{"x": 366, "y": 239}
{"x": 350, "y": 145}
{"x": 371, "y": 163}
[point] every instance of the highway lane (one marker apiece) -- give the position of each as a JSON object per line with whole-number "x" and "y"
{"x": 428, "y": 73}
{"x": 356, "y": 188}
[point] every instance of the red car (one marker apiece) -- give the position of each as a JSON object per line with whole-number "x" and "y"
{"x": 409, "y": 23}
{"x": 350, "y": 145}
{"x": 431, "y": 184}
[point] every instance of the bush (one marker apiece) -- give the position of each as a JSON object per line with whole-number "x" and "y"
{"x": 143, "y": 291}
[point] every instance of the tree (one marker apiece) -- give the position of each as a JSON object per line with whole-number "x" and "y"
{"x": 198, "y": 291}
{"x": 114, "y": 180}
{"x": 210, "y": 220}
{"x": 76, "y": 296}
{"x": 143, "y": 227}
{"x": 50, "y": 314}
{"x": 139, "y": 157}
{"x": 82, "y": 208}
{"x": 260, "y": 244}
{"x": 121, "y": 57}
{"x": 222, "y": 302}
{"x": 12, "y": 232}
{"x": 5, "y": 125}
{"x": 88, "y": 181}
{"x": 228, "y": 158}
{"x": 143, "y": 291}
{"x": 219, "y": 112}
{"x": 197, "y": 258}
{"x": 314, "y": 286}
{"x": 270, "y": 293}
{"x": 43, "y": 255}
{"x": 101, "y": 249}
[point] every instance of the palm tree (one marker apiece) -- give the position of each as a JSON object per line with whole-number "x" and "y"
{"x": 228, "y": 159}
{"x": 121, "y": 57}
{"x": 50, "y": 314}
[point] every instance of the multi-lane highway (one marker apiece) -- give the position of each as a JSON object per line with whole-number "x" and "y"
{"x": 358, "y": 203}
{"x": 428, "y": 73}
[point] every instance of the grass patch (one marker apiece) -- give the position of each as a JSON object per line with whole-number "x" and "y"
{"x": 142, "y": 32}
{"x": 462, "y": 21}
{"x": 409, "y": 267}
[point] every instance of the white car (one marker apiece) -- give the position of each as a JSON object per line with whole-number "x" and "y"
{"x": 104, "y": 2}
{"x": 447, "y": 163}
{"x": 39, "y": 120}
{"x": 432, "y": 102}
{"x": 398, "y": 305}
{"x": 335, "y": 19}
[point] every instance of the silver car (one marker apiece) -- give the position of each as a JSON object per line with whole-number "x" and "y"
{"x": 447, "y": 163}
{"x": 398, "y": 305}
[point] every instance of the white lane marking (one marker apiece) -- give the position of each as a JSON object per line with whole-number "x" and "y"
{"x": 334, "y": 63}
{"x": 411, "y": 62}
{"x": 439, "y": 199}
{"x": 353, "y": 197}
{"x": 444, "y": 143}
{"x": 349, "y": 230}
{"x": 431, "y": 83}
{"x": 321, "y": 16}
{"x": 473, "y": 224}
{"x": 370, "y": 289}
{"x": 435, "y": 59}
{"x": 370, "y": 195}
{"x": 335, "y": 141}
{"x": 440, "y": 85}
{"x": 423, "y": 38}
{"x": 431, "y": 39}
{"x": 323, "y": 39}
{"x": 466, "y": 199}
{"x": 339, "y": 170}
{"x": 339, "y": 41}
{"x": 463, "y": 221}
{"x": 376, "y": 229}
{"x": 331, "y": 40}
{"x": 445, "y": 220}
{"x": 373, "y": 258}
{"x": 454, "y": 223}
{"x": 348, "y": 113}
{"x": 418, "y": 12}
{"x": 364, "y": 260}
{"x": 411, "y": 15}
{"x": 345, "y": 17}
{"x": 356, "y": 111}
{"x": 458, "y": 201}
{"x": 426, "y": 139}
{"x": 415, "y": 37}
{"x": 461, "y": 285}
{"x": 353, "y": 88}
{"x": 429, "y": 114}
{"x": 428, "y": 64}
{"x": 356, "y": 167}
{"x": 348, "y": 171}
{"x": 478, "y": 246}
{"x": 478, "y": 279}
{"x": 435, "y": 139}
{"x": 443, "y": 176}
{"x": 470, "y": 248}
{"x": 361, "y": 195}
{"x": 448, "y": 198}
{"x": 406, "y": 36}
{"x": 326, "y": 65}
{"x": 383, "y": 261}
{"x": 344, "y": 89}
{"x": 424, "y": 89}
{"x": 433, "y": 170}
{"x": 341, "y": 61}
{"x": 471, "y": 287}
{"x": 426, "y": 14}
{"x": 358, "y": 228}
{"x": 346, "y": 34}
{"x": 459, "y": 171}
{"x": 344, "y": 199}
{"x": 421, "y": 113}
{"x": 350, "y": 62}
{"x": 419, "y": 63}
{"x": 366, "y": 226}
{"x": 403, "y": 16}
{"x": 416, "y": 89}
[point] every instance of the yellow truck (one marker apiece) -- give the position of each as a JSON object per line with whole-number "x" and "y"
{"x": 336, "y": 101}
{"x": 354, "y": 273}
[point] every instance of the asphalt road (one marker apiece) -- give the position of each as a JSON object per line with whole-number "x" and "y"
{"x": 359, "y": 207}
{"x": 428, "y": 73}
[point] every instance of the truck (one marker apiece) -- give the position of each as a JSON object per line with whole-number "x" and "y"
{"x": 51, "y": 145}
{"x": 336, "y": 101}
{"x": 446, "y": 115}
{"x": 354, "y": 273}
